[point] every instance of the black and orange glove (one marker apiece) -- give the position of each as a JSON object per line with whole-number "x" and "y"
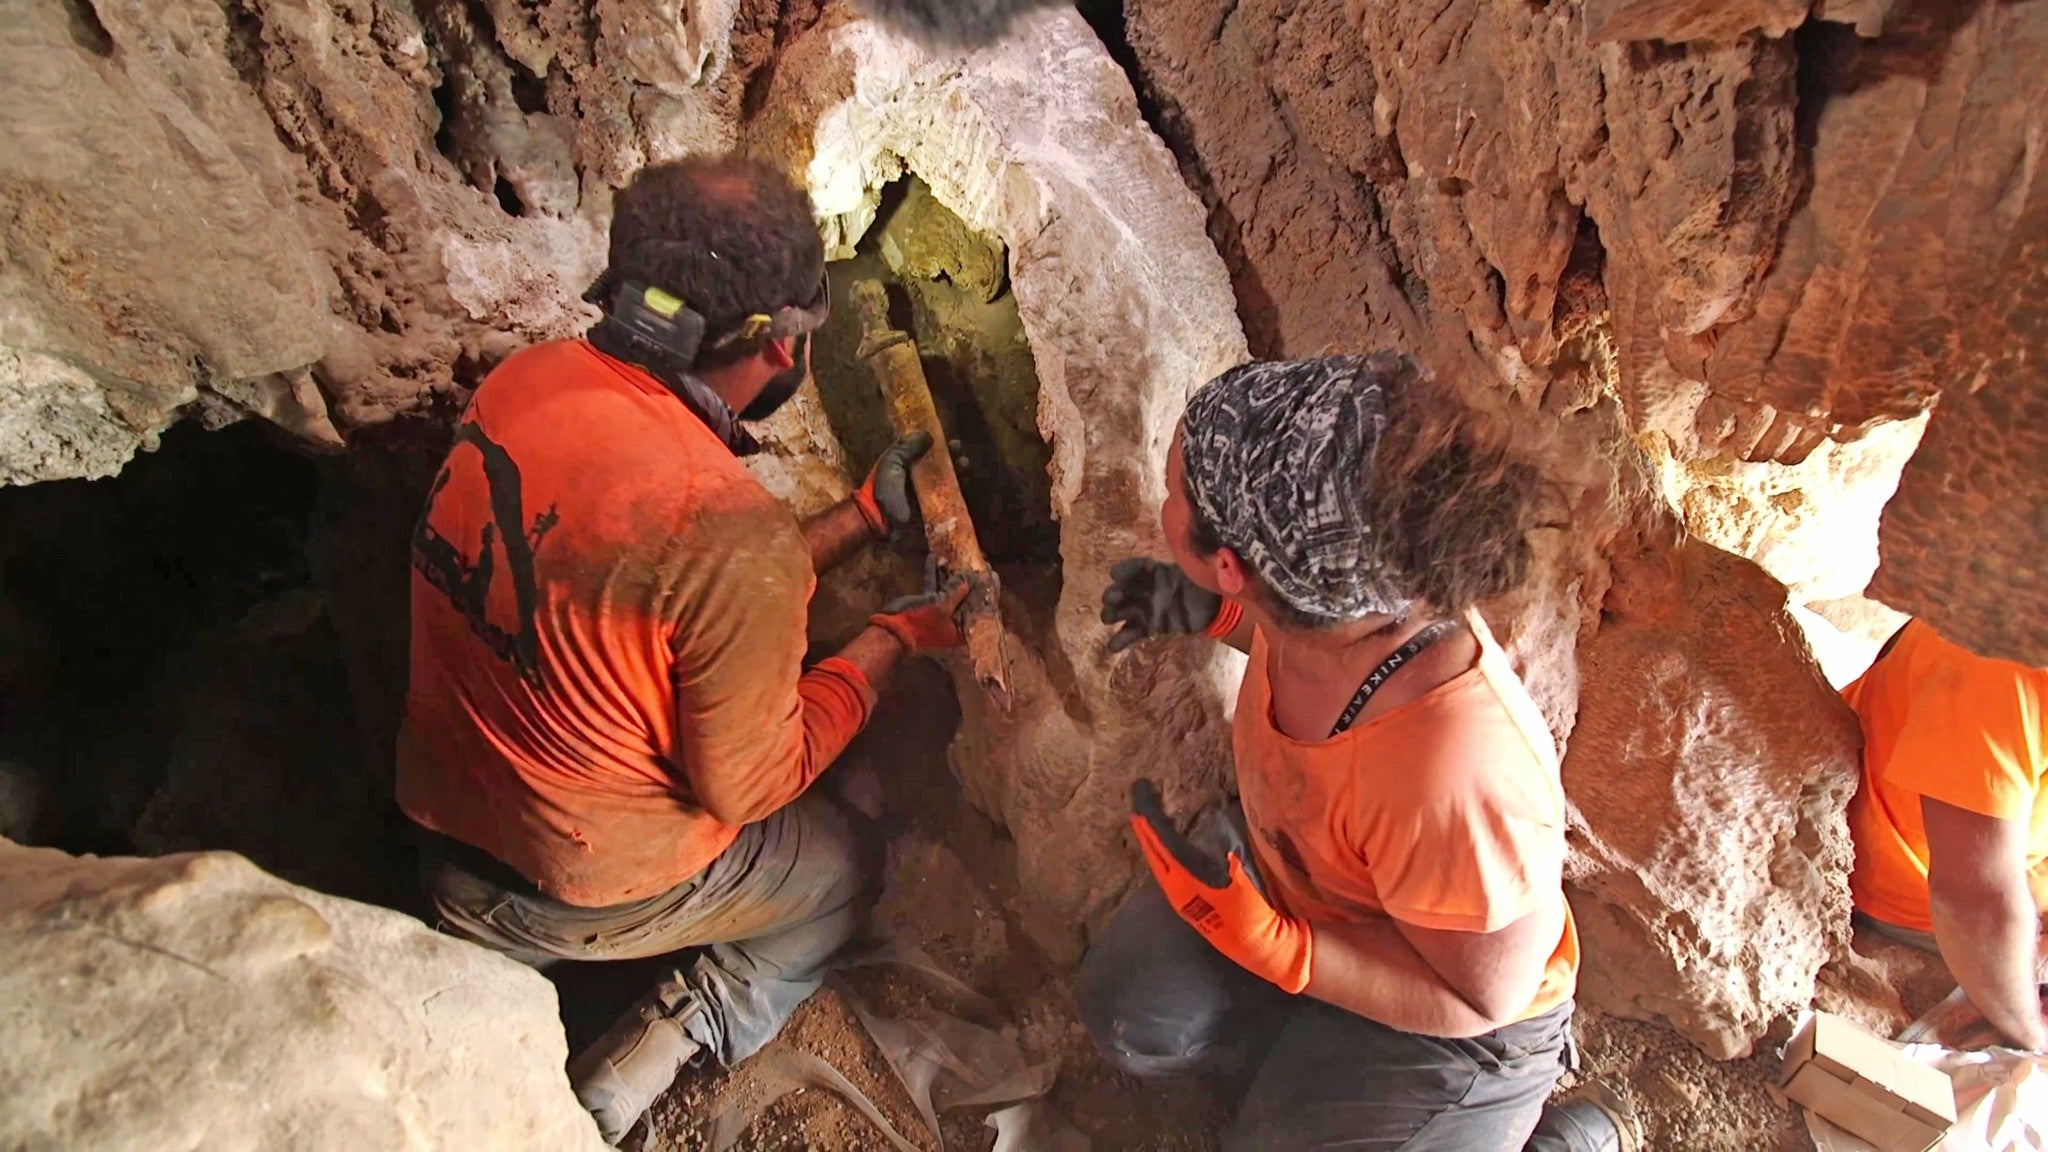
{"x": 885, "y": 499}
{"x": 1220, "y": 900}
{"x": 927, "y": 621}
{"x": 1154, "y": 598}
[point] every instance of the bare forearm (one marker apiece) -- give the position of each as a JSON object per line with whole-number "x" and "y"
{"x": 836, "y": 534}
{"x": 1369, "y": 968}
{"x": 1987, "y": 934}
{"x": 876, "y": 652}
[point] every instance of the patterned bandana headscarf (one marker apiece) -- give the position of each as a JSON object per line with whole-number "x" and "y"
{"x": 1279, "y": 458}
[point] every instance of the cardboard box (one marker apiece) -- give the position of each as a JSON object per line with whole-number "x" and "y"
{"x": 1864, "y": 1086}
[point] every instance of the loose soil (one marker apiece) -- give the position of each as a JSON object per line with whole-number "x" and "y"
{"x": 951, "y": 892}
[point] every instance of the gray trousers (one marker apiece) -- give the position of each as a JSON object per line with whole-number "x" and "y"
{"x": 1911, "y": 937}
{"x": 768, "y": 915}
{"x": 1159, "y": 1000}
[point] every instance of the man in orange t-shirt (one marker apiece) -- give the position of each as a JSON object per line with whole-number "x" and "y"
{"x": 1390, "y": 899}
{"x": 609, "y": 734}
{"x": 1951, "y": 820}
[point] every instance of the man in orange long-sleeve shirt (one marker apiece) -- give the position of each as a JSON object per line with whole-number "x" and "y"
{"x": 609, "y": 733}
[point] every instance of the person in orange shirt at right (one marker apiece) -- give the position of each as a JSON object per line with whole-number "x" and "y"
{"x": 1951, "y": 820}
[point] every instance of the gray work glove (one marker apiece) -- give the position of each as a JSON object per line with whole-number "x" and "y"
{"x": 886, "y": 497}
{"x": 1154, "y": 598}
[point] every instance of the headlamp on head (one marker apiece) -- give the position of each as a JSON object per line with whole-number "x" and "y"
{"x": 657, "y": 317}
{"x": 660, "y": 319}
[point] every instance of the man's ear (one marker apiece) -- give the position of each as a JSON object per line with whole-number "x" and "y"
{"x": 779, "y": 354}
{"x": 1232, "y": 576}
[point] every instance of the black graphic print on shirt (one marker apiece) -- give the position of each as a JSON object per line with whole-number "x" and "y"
{"x": 467, "y": 583}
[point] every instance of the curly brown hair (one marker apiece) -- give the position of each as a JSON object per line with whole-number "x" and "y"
{"x": 1453, "y": 501}
{"x": 1451, "y": 504}
{"x": 733, "y": 236}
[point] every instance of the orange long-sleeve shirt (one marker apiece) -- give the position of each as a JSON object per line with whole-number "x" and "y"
{"x": 608, "y": 626}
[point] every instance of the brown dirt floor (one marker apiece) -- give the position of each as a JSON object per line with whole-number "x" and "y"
{"x": 952, "y": 893}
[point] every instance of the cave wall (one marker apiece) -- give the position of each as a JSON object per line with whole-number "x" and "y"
{"x": 115, "y": 313}
{"x": 1706, "y": 772}
{"x": 1797, "y": 228}
{"x": 327, "y": 214}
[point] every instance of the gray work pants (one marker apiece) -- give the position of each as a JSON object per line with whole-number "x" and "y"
{"x": 1159, "y": 1000}
{"x": 768, "y": 914}
{"x": 1910, "y": 937}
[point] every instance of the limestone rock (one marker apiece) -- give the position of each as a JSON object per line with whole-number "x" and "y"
{"x": 195, "y": 1002}
{"x": 1502, "y": 138}
{"x": 1679, "y": 157}
{"x": 1812, "y": 525}
{"x": 118, "y": 310}
{"x": 1709, "y": 854}
{"x": 1292, "y": 214}
{"x": 1678, "y": 21}
{"x": 1867, "y": 16}
{"x": 446, "y": 261}
{"x": 1913, "y": 264}
{"x": 328, "y": 216}
{"x": 1037, "y": 142}
{"x": 1756, "y": 307}
{"x": 1981, "y": 473}
{"x": 56, "y": 422}
{"x": 1961, "y": 540}
{"x": 1972, "y": 506}
{"x": 673, "y": 45}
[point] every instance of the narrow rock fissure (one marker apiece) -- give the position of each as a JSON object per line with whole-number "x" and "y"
{"x": 1111, "y": 24}
{"x": 949, "y": 289}
{"x": 87, "y": 29}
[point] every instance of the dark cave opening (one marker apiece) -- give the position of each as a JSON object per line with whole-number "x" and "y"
{"x": 508, "y": 198}
{"x": 88, "y": 30}
{"x": 173, "y": 674}
{"x": 529, "y": 91}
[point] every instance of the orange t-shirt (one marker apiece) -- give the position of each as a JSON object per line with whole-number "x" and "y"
{"x": 1445, "y": 812}
{"x": 608, "y": 618}
{"x": 1942, "y": 721}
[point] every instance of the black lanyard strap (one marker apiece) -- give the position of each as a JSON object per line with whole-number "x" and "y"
{"x": 1387, "y": 668}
